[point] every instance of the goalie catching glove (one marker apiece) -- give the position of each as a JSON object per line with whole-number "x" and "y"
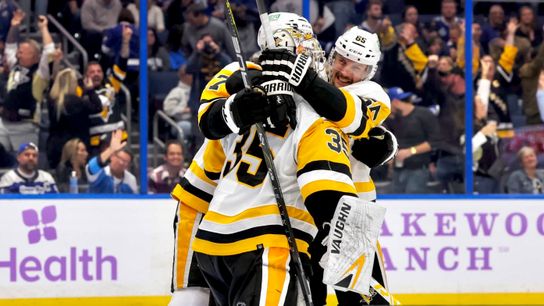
{"x": 380, "y": 147}
{"x": 285, "y": 65}
{"x": 351, "y": 245}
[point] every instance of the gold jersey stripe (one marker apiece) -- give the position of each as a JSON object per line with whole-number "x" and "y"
{"x": 246, "y": 245}
{"x": 196, "y": 170}
{"x": 214, "y": 156}
{"x": 193, "y": 201}
{"x": 277, "y": 266}
{"x": 321, "y": 185}
{"x": 349, "y": 116}
{"x": 187, "y": 217}
{"x": 365, "y": 186}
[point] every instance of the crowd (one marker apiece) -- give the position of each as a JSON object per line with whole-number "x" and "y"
{"x": 423, "y": 61}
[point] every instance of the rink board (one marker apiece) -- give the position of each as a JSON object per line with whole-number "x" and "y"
{"x": 119, "y": 252}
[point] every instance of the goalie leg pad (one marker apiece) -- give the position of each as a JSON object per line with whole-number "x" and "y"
{"x": 351, "y": 245}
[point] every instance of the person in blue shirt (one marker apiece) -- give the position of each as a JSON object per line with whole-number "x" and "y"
{"x": 108, "y": 172}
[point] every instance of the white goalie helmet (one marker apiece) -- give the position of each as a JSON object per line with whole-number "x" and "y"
{"x": 359, "y": 46}
{"x": 294, "y": 32}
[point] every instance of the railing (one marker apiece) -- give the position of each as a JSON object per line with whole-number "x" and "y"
{"x": 68, "y": 37}
{"x": 128, "y": 117}
{"x": 157, "y": 142}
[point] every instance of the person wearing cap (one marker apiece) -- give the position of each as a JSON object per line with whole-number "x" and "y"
{"x": 417, "y": 131}
{"x": 27, "y": 178}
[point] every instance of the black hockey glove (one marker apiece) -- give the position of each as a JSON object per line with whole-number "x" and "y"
{"x": 280, "y": 97}
{"x": 246, "y": 108}
{"x": 234, "y": 82}
{"x": 380, "y": 147}
{"x": 285, "y": 65}
{"x": 283, "y": 111}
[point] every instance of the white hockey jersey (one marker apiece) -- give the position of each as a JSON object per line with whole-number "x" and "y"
{"x": 243, "y": 214}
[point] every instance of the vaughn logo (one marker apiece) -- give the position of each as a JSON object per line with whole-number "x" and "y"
{"x": 53, "y": 259}
{"x": 47, "y": 231}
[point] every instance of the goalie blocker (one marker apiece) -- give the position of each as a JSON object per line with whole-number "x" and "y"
{"x": 351, "y": 245}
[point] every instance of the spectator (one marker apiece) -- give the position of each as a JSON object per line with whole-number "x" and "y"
{"x": 529, "y": 179}
{"x": 529, "y": 74}
{"x": 528, "y": 26}
{"x": 446, "y": 85}
{"x": 176, "y": 105}
{"x": 158, "y": 58}
{"x": 501, "y": 76}
{"x": 540, "y": 95}
{"x": 109, "y": 119}
{"x": 487, "y": 165}
{"x": 69, "y": 109}
{"x": 404, "y": 63}
{"x": 112, "y": 178}
{"x": 7, "y": 8}
{"x": 417, "y": 131}
{"x": 374, "y": 18}
{"x": 28, "y": 79}
{"x": 203, "y": 64}
{"x": 411, "y": 15}
{"x": 476, "y": 48}
{"x": 74, "y": 158}
{"x": 376, "y": 23}
{"x": 155, "y": 17}
{"x": 173, "y": 45}
{"x": 246, "y": 14}
{"x": 321, "y": 17}
{"x": 7, "y": 160}
{"x": 113, "y": 38}
{"x": 26, "y": 178}
{"x": 97, "y": 16}
{"x": 343, "y": 12}
{"x": 175, "y": 13}
{"x": 165, "y": 177}
{"x": 68, "y": 13}
{"x": 494, "y": 27}
{"x": 198, "y": 24}
{"x": 447, "y": 19}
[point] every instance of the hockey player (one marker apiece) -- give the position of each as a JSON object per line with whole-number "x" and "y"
{"x": 338, "y": 75}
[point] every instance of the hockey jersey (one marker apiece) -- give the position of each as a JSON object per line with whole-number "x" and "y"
{"x": 109, "y": 119}
{"x": 243, "y": 215}
{"x": 360, "y": 96}
{"x": 15, "y": 182}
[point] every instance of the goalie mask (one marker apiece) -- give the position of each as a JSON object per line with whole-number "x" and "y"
{"x": 357, "y": 53}
{"x": 295, "y": 33}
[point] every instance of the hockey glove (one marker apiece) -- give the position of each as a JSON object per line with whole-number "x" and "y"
{"x": 246, "y": 108}
{"x": 380, "y": 147}
{"x": 280, "y": 98}
{"x": 355, "y": 227}
{"x": 285, "y": 65}
{"x": 234, "y": 82}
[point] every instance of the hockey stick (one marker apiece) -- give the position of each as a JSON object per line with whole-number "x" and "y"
{"x": 269, "y": 160}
